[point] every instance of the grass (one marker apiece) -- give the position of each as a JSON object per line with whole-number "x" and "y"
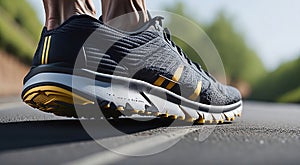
{"x": 291, "y": 97}
{"x": 279, "y": 84}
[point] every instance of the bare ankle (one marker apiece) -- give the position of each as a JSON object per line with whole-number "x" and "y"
{"x": 125, "y": 15}
{"x": 58, "y": 11}
{"x": 127, "y": 22}
{"x": 52, "y": 23}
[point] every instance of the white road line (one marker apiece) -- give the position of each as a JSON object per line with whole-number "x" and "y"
{"x": 7, "y": 106}
{"x": 135, "y": 148}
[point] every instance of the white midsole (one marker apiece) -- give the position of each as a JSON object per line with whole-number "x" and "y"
{"x": 107, "y": 90}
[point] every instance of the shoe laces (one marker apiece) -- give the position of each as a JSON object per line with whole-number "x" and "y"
{"x": 168, "y": 37}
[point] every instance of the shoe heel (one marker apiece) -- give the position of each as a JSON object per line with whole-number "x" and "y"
{"x": 48, "y": 98}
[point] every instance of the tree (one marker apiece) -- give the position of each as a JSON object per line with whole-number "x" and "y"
{"x": 19, "y": 29}
{"x": 283, "y": 84}
{"x": 241, "y": 63}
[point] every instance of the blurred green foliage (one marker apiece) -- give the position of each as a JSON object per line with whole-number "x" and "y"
{"x": 19, "y": 29}
{"x": 281, "y": 85}
{"x": 24, "y": 15}
{"x": 291, "y": 97}
{"x": 241, "y": 63}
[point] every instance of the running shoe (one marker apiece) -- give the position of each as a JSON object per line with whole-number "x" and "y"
{"x": 85, "y": 62}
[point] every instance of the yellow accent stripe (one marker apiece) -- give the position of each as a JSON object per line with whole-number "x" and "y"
{"x": 197, "y": 91}
{"x": 176, "y": 77}
{"x": 44, "y": 50}
{"x": 56, "y": 94}
{"x": 178, "y": 73}
{"x": 172, "y": 82}
{"x": 170, "y": 85}
{"x": 47, "y": 51}
{"x": 159, "y": 81}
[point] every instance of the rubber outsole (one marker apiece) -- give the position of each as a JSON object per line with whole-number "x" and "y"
{"x": 59, "y": 98}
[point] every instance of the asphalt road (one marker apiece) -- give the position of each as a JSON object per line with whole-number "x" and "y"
{"x": 266, "y": 134}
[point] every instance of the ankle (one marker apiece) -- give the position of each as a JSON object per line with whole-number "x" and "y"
{"x": 52, "y": 23}
{"x": 125, "y": 15}
{"x": 58, "y": 11}
{"x": 127, "y": 21}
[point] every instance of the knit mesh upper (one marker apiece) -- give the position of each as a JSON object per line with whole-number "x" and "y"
{"x": 145, "y": 55}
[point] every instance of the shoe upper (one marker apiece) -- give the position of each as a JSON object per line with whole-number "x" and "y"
{"x": 147, "y": 54}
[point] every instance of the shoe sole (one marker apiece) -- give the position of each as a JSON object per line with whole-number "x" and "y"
{"x": 61, "y": 93}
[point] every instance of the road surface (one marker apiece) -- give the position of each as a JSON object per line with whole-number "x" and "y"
{"x": 266, "y": 134}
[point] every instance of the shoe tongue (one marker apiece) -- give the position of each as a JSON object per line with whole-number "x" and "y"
{"x": 149, "y": 15}
{"x": 101, "y": 18}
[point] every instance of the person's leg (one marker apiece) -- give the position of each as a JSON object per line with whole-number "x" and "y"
{"x": 58, "y": 11}
{"x": 124, "y": 14}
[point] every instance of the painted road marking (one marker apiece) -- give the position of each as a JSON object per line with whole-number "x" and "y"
{"x": 7, "y": 106}
{"x": 148, "y": 145}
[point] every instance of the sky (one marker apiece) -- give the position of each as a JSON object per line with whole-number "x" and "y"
{"x": 270, "y": 27}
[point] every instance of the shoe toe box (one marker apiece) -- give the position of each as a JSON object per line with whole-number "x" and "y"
{"x": 220, "y": 94}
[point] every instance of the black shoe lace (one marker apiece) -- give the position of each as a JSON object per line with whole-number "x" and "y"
{"x": 168, "y": 38}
